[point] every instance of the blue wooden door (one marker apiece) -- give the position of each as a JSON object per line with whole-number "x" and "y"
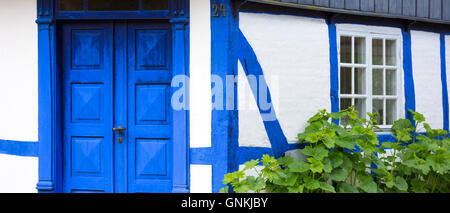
{"x": 118, "y": 129}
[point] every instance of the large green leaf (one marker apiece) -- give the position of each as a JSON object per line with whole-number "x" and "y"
{"x": 389, "y": 181}
{"x": 327, "y": 187}
{"x": 400, "y": 183}
{"x": 298, "y": 166}
{"x": 311, "y": 183}
{"x": 367, "y": 184}
{"x": 339, "y": 174}
{"x": 439, "y": 162}
{"x": 346, "y": 142}
{"x": 315, "y": 166}
{"x": 347, "y": 163}
{"x": 329, "y": 142}
{"x": 417, "y": 116}
{"x": 336, "y": 159}
{"x": 418, "y": 186}
{"x": 284, "y": 161}
{"x": 289, "y": 180}
{"x": 401, "y": 124}
{"x": 312, "y": 138}
{"x": 327, "y": 165}
{"x": 296, "y": 189}
{"x": 347, "y": 188}
{"x": 318, "y": 152}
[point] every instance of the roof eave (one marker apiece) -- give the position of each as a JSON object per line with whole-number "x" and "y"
{"x": 350, "y": 12}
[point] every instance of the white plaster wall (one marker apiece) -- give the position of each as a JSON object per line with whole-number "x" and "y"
{"x": 18, "y": 92}
{"x": 294, "y": 54}
{"x": 201, "y": 179}
{"x": 18, "y": 70}
{"x": 251, "y": 126}
{"x": 200, "y": 91}
{"x": 18, "y": 174}
{"x": 426, "y": 63}
{"x": 200, "y": 74}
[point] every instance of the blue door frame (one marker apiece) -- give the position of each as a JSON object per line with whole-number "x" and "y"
{"x": 50, "y": 82}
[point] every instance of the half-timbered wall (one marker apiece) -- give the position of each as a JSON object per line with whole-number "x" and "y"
{"x": 294, "y": 55}
{"x": 293, "y": 52}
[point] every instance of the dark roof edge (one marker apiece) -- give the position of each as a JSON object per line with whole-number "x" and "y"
{"x": 350, "y": 12}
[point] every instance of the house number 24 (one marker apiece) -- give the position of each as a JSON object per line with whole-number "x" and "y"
{"x": 216, "y": 10}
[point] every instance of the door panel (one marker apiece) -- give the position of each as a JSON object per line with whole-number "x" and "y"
{"x": 149, "y": 114}
{"x": 88, "y": 113}
{"x": 117, "y": 74}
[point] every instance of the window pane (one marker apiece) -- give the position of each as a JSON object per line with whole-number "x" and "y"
{"x": 391, "y": 80}
{"x": 360, "y": 106}
{"x": 71, "y": 5}
{"x": 391, "y": 50}
{"x": 360, "y": 50}
{"x": 377, "y": 107}
{"x": 346, "y": 80}
{"x": 377, "y": 82}
{"x": 345, "y": 104}
{"x": 155, "y": 5}
{"x": 113, "y": 5}
{"x": 346, "y": 49}
{"x": 391, "y": 111}
{"x": 360, "y": 81}
{"x": 377, "y": 51}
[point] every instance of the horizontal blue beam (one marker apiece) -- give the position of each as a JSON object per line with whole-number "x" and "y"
{"x": 19, "y": 148}
{"x": 201, "y": 156}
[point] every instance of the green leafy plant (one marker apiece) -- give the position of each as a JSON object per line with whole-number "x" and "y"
{"x": 351, "y": 159}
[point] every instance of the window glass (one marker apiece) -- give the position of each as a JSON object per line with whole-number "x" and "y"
{"x": 155, "y": 5}
{"x": 377, "y": 107}
{"x": 113, "y": 5}
{"x": 346, "y": 80}
{"x": 391, "y": 111}
{"x": 391, "y": 50}
{"x": 360, "y": 81}
{"x": 377, "y": 81}
{"x": 391, "y": 81}
{"x": 346, "y": 49}
{"x": 377, "y": 51}
{"x": 71, "y": 5}
{"x": 360, "y": 50}
{"x": 360, "y": 106}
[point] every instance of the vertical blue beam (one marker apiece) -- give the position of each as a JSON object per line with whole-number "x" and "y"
{"x": 410, "y": 96}
{"x": 223, "y": 122}
{"x": 334, "y": 69}
{"x": 180, "y": 136}
{"x": 251, "y": 66}
{"x": 47, "y": 80}
{"x": 444, "y": 83}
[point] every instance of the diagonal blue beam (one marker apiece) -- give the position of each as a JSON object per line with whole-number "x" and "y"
{"x": 444, "y": 83}
{"x": 251, "y": 66}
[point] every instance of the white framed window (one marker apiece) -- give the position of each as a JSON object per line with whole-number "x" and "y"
{"x": 370, "y": 72}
